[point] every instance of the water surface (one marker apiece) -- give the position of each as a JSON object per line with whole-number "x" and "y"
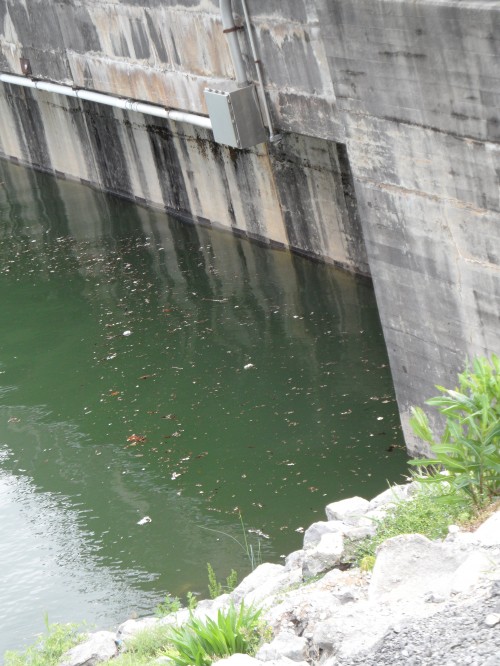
{"x": 152, "y": 368}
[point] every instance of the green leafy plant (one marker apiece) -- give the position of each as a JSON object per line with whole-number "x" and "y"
{"x": 199, "y": 642}
{"x": 49, "y": 647}
{"x": 422, "y": 514}
{"x": 467, "y": 456}
{"x": 169, "y": 605}
{"x": 215, "y": 588}
{"x": 192, "y": 601}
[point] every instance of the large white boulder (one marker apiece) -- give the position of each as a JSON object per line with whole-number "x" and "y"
{"x": 313, "y": 534}
{"x": 326, "y": 637}
{"x": 488, "y": 533}
{"x": 211, "y": 607}
{"x": 284, "y": 645}
{"x": 294, "y": 560}
{"x": 410, "y": 566}
{"x": 131, "y": 628}
{"x": 470, "y": 572}
{"x": 265, "y": 581}
{"x": 349, "y": 511}
{"x": 327, "y": 554}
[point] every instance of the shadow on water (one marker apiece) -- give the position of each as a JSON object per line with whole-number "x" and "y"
{"x": 153, "y": 368}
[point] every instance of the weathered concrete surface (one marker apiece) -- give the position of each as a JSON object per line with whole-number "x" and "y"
{"x": 417, "y": 87}
{"x": 390, "y": 115}
{"x": 280, "y": 197}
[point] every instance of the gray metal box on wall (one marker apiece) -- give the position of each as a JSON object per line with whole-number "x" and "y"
{"x": 235, "y": 117}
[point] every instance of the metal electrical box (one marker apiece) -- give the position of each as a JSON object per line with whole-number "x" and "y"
{"x": 235, "y": 117}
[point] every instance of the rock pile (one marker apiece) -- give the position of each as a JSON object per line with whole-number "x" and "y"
{"x": 425, "y": 601}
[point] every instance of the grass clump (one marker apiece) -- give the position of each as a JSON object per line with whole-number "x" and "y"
{"x": 49, "y": 647}
{"x": 423, "y": 514}
{"x": 197, "y": 642}
{"x": 146, "y": 646}
{"x": 200, "y": 642}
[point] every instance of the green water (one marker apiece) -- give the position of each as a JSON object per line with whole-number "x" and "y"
{"x": 152, "y": 368}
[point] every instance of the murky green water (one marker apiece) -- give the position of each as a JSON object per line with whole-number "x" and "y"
{"x": 151, "y": 368}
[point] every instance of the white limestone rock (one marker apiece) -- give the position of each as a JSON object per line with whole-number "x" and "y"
{"x": 326, "y": 637}
{"x": 365, "y": 527}
{"x": 324, "y": 556}
{"x": 294, "y": 560}
{"x": 376, "y": 515}
{"x": 177, "y": 618}
{"x": 410, "y": 566}
{"x": 239, "y": 660}
{"x": 284, "y": 645}
{"x": 392, "y": 495}
{"x": 313, "y": 534}
{"x": 368, "y": 529}
{"x": 488, "y": 533}
{"x": 264, "y": 582}
{"x": 303, "y": 607}
{"x": 98, "y": 647}
{"x": 266, "y": 594}
{"x": 469, "y": 572}
{"x": 130, "y": 628}
{"x": 349, "y": 511}
{"x": 492, "y": 619}
{"x": 262, "y": 574}
{"x": 210, "y": 607}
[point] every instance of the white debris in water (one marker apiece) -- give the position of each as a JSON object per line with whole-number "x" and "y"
{"x": 126, "y": 333}
{"x": 248, "y": 366}
{"x": 144, "y": 521}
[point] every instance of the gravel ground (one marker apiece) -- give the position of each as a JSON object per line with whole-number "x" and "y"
{"x": 458, "y": 635}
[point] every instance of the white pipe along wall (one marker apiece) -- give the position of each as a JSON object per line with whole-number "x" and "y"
{"x": 110, "y": 100}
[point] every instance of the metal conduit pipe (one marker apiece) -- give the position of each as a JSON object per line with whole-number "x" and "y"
{"x": 109, "y": 100}
{"x": 273, "y": 137}
{"x": 230, "y": 29}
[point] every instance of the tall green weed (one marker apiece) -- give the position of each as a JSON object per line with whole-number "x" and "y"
{"x": 467, "y": 455}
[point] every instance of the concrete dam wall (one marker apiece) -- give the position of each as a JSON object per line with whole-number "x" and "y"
{"x": 389, "y": 163}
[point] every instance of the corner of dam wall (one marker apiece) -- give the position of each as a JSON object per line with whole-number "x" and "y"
{"x": 389, "y": 164}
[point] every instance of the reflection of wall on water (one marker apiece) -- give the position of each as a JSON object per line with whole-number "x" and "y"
{"x": 174, "y": 258}
{"x": 377, "y": 117}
